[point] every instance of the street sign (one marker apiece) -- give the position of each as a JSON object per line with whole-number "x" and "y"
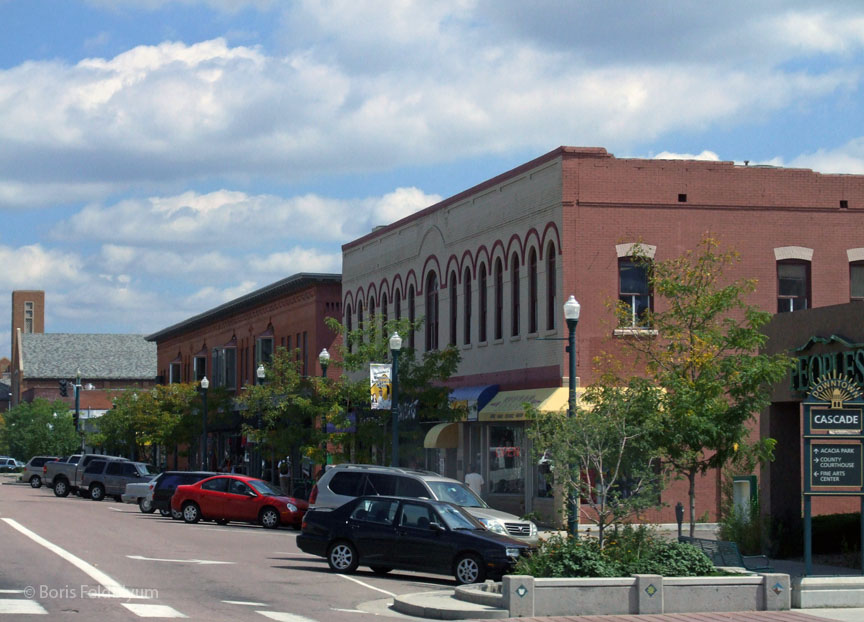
{"x": 836, "y": 466}
{"x": 835, "y": 419}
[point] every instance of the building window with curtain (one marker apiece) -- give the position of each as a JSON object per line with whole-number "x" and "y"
{"x": 466, "y": 294}
{"x": 551, "y": 288}
{"x": 532, "y": 291}
{"x": 793, "y": 285}
{"x": 432, "y": 311}
{"x": 483, "y": 292}
{"x": 634, "y": 291}
{"x": 506, "y": 459}
{"x": 454, "y": 308}
{"x": 515, "y": 318}
{"x": 499, "y": 300}
{"x": 856, "y": 280}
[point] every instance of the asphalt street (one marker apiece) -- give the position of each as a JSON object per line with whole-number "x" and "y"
{"x": 76, "y": 559}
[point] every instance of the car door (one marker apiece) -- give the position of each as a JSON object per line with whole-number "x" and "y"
{"x": 128, "y": 473}
{"x": 241, "y": 502}
{"x": 211, "y": 497}
{"x": 418, "y": 544}
{"x": 372, "y": 529}
{"x": 113, "y": 476}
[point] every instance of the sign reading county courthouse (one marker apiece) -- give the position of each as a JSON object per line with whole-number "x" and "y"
{"x": 836, "y": 465}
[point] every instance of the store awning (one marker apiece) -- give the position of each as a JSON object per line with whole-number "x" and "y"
{"x": 442, "y": 436}
{"x": 509, "y": 405}
{"x": 472, "y": 399}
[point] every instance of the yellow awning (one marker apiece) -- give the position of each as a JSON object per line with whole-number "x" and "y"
{"x": 442, "y": 436}
{"x": 508, "y": 405}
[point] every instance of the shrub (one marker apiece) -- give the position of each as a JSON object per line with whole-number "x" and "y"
{"x": 743, "y": 528}
{"x": 674, "y": 559}
{"x": 567, "y": 557}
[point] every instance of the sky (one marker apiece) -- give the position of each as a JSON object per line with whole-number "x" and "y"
{"x": 161, "y": 157}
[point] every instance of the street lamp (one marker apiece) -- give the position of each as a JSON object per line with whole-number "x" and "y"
{"x": 571, "y": 314}
{"x": 395, "y": 346}
{"x": 324, "y": 361}
{"x": 205, "y": 384}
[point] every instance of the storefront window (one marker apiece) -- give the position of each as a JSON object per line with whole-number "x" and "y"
{"x": 506, "y": 459}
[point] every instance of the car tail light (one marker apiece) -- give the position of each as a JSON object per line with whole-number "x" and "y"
{"x": 45, "y": 468}
{"x": 313, "y": 496}
{"x": 303, "y": 525}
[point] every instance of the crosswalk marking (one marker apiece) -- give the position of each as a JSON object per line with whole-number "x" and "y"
{"x": 281, "y": 616}
{"x": 153, "y": 611}
{"x": 18, "y": 606}
{"x": 244, "y": 603}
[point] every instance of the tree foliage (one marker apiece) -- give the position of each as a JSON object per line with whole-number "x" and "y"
{"x": 604, "y": 452}
{"x": 704, "y": 354}
{"x": 39, "y": 427}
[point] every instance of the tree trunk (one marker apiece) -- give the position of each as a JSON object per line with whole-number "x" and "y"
{"x": 691, "y": 493}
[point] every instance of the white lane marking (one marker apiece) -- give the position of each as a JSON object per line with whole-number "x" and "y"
{"x": 153, "y": 611}
{"x": 285, "y": 617}
{"x": 18, "y": 606}
{"x": 11, "y": 591}
{"x": 115, "y": 590}
{"x": 371, "y": 587}
{"x": 348, "y": 610}
{"x": 245, "y": 603}
{"x": 116, "y": 509}
{"x": 202, "y": 562}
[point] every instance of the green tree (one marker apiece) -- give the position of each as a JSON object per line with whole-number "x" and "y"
{"x": 703, "y": 351}
{"x": 604, "y": 452}
{"x": 40, "y": 427}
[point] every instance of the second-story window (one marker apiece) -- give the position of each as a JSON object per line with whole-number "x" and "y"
{"x": 483, "y": 293}
{"x": 499, "y": 300}
{"x": 634, "y": 290}
{"x": 174, "y": 372}
{"x": 199, "y": 367}
{"x": 515, "y": 318}
{"x": 225, "y": 367}
{"x": 856, "y": 280}
{"x": 263, "y": 353}
{"x": 454, "y": 308}
{"x": 552, "y": 309}
{"x": 432, "y": 311}
{"x": 411, "y": 315}
{"x": 793, "y": 285}
{"x": 466, "y": 295}
{"x": 532, "y": 291}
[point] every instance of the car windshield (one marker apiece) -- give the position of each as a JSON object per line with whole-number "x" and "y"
{"x": 264, "y": 488}
{"x": 146, "y": 469}
{"x": 456, "y": 518}
{"x": 456, "y": 492}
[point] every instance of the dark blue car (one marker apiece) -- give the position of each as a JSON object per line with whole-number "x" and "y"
{"x": 410, "y": 534}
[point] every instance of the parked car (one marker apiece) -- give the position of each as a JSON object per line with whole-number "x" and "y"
{"x": 343, "y": 482}
{"x": 239, "y": 498}
{"x": 8, "y": 465}
{"x": 32, "y": 471}
{"x": 410, "y": 534}
{"x": 109, "y": 477}
{"x": 65, "y": 477}
{"x": 141, "y": 493}
{"x": 167, "y": 483}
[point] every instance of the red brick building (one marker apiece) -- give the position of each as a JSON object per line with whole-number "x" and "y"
{"x": 491, "y": 267}
{"x": 228, "y": 343}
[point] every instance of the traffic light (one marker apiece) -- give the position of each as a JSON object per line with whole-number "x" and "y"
{"x": 64, "y": 392}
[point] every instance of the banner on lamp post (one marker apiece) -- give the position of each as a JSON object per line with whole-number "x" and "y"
{"x": 380, "y": 385}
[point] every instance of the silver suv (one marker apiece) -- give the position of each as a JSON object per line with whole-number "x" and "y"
{"x": 344, "y": 482}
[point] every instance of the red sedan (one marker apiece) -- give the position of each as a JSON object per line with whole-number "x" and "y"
{"x": 224, "y": 498}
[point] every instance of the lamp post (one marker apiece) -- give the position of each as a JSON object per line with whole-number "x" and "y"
{"x": 261, "y": 374}
{"x": 205, "y": 384}
{"x": 571, "y": 315}
{"x": 395, "y": 346}
{"x": 78, "y": 406}
{"x": 324, "y": 361}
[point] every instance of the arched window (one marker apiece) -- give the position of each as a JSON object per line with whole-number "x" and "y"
{"x": 384, "y": 314}
{"x": 514, "y": 300}
{"x": 432, "y": 312}
{"x": 466, "y": 295}
{"x": 454, "y": 308}
{"x": 360, "y": 319}
{"x": 371, "y": 309}
{"x": 551, "y": 287}
{"x": 793, "y": 285}
{"x": 499, "y": 300}
{"x": 483, "y": 292}
{"x": 411, "y": 315}
{"x": 532, "y": 291}
{"x": 397, "y": 305}
{"x": 348, "y": 323}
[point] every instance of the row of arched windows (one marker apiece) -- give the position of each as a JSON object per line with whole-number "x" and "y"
{"x": 464, "y": 317}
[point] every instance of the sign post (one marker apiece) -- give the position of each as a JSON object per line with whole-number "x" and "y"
{"x": 833, "y": 435}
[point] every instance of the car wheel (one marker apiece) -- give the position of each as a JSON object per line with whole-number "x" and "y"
{"x": 176, "y": 515}
{"x": 269, "y": 518}
{"x": 165, "y": 513}
{"x": 381, "y": 569}
{"x": 191, "y": 513}
{"x": 35, "y": 482}
{"x": 146, "y": 506}
{"x": 469, "y": 569}
{"x": 342, "y": 557}
{"x": 221, "y": 521}
{"x": 97, "y": 492}
{"x": 61, "y": 488}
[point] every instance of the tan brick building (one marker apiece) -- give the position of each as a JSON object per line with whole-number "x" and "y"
{"x": 491, "y": 267}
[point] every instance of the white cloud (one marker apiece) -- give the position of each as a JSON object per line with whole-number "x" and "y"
{"x": 848, "y": 158}
{"x": 226, "y": 6}
{"x": 36, "y": 267}
{"x": 704, "y": 155}
{"x": 296, "y": 260}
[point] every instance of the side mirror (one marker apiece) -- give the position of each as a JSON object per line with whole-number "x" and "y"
{"x": 436, "y": 527}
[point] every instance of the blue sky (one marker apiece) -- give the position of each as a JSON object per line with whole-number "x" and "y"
{"x": 160, "y": 157}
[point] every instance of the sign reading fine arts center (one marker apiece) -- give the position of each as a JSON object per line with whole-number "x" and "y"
{"x": 832, "y": 447}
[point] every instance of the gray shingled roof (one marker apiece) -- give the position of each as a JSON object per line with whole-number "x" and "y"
{"x": 60, "y": 355}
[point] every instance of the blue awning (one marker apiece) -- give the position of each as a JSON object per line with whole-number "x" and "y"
{"x": 473, "y": 398}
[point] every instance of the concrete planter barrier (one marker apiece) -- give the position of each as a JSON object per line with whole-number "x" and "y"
{"x": 525, "y": 596}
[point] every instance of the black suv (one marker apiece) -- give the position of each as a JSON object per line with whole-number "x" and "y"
{"x": 167, "y": 483}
